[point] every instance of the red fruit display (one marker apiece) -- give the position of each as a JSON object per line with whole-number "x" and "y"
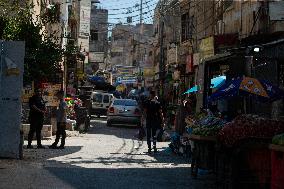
{"x": 249, "y": 126}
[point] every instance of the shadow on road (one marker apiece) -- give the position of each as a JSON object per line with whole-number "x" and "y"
{"x": 45, "y": 154}
{"x": 137, "y": 178}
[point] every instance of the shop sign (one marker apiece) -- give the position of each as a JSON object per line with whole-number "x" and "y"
{"x": 172, "y": 56}
{"x": 85, "y": 15}
{"x": 176, "y": 75}
{"x": 117, "y": 49}
{"x": 276, "y": 10}
{"x": 189, "y": 63}
{"x": 49, "y": 93}
{"x": 125, "y": 70}
{"x": 149, "y": 72}
{"x": 206, "y": 48}
{"x": 196, "y": 59}
{"x": 96, "y": 57}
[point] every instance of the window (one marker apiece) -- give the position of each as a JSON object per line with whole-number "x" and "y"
{"x": 98, "y": 98}
{"x": 94, "y": 35}
{"x": 186, "y": 29}
{"x": 106, "y": 99}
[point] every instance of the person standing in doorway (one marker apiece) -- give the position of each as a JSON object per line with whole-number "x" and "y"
{"x": 36, "y": 118}
{"x": 153, "y": 116}
{"x": 61, "y": 119}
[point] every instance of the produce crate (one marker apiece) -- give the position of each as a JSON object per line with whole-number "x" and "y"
{"x": 277, "y": 166}
{"x": 246, "y": 166}
{"x": 203, "y": 153}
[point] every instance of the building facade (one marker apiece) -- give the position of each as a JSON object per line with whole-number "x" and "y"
{"x": 218, "y": 38}
{"x": 98, "y": 38}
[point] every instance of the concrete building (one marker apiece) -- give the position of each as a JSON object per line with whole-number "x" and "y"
{"x": 98, "y": 38}
{"x": 120, "y": 45}
{"x": 167, "y": 31}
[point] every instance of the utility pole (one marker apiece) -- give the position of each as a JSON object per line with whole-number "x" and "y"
{"x": 141, "y": 12}
{"x": 161, "y": 61}
{"x": 140, "y": 38}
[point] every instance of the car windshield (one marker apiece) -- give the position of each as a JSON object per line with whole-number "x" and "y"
{"x": 98, "y": 98}
{"x": 125, "y": 103}
{"x": 106, "y": 99}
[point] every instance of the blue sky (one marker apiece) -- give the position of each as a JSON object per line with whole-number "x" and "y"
{"x": 118, "y": 10}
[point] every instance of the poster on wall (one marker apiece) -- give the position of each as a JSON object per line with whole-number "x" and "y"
{"x": 28, "y": 92}
{"x": 49, "y": 93}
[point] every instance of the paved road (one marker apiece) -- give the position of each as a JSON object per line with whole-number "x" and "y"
{"x": 104, "y": 158}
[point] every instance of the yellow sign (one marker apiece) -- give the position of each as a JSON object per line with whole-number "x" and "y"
{"x": 149, "y": 72}
{"x": 206, "y": 48}
{"x": 253, "y": 86}
{"x": 13, "y": 71}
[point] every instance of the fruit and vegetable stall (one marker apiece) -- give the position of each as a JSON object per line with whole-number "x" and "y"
{"x": 244, "y": 153}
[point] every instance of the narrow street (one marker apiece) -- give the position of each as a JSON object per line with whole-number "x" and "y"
{"x": 103, "y": 158}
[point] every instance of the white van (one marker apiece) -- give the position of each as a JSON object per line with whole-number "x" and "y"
{"x": 100, "y": 102}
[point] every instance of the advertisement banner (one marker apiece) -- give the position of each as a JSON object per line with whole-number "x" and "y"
{"x": 85, "y": 15}
{"x": 206, "y": 48}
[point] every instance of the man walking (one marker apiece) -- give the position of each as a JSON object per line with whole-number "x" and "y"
{"x": 36, "y": 118}
{"x": 61, "y": 122}
{"x": 153, "y": 116}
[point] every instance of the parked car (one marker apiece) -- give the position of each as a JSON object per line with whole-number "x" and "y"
{"x": 124, "y": 112}
{"x": 100, "y": 102}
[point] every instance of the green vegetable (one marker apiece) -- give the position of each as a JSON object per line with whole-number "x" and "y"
{"x": 278, "y": 139}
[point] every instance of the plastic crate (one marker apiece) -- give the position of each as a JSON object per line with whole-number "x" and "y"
{"x": 247, "y": 166}
{"x": 277, "y": 167}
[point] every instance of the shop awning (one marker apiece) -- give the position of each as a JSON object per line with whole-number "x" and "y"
{"x": 192, "y": 90}
{"x": 218, "y": 57}
{"x": 217, "y": 81}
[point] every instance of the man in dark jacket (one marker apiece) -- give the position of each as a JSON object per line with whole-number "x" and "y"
{"x": 36, "y": 118}
{"x": 153, "y": 116}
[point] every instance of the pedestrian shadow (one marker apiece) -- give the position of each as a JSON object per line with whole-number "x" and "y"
{"x": 45, "y": 154}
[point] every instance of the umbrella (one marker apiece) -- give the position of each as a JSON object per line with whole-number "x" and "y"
{"x": 262, "y": 90}
{"x": 217, "y": 82}
{"x": 192, "y": 90}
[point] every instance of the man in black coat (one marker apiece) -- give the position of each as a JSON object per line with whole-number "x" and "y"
{"x": 36, "y": 118}
{"x": 154, "y": 117}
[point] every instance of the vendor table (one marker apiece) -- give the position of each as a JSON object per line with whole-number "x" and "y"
{"x": 203, "y": 153}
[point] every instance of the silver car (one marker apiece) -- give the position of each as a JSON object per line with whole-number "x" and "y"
{"x": 124, "y": 112}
